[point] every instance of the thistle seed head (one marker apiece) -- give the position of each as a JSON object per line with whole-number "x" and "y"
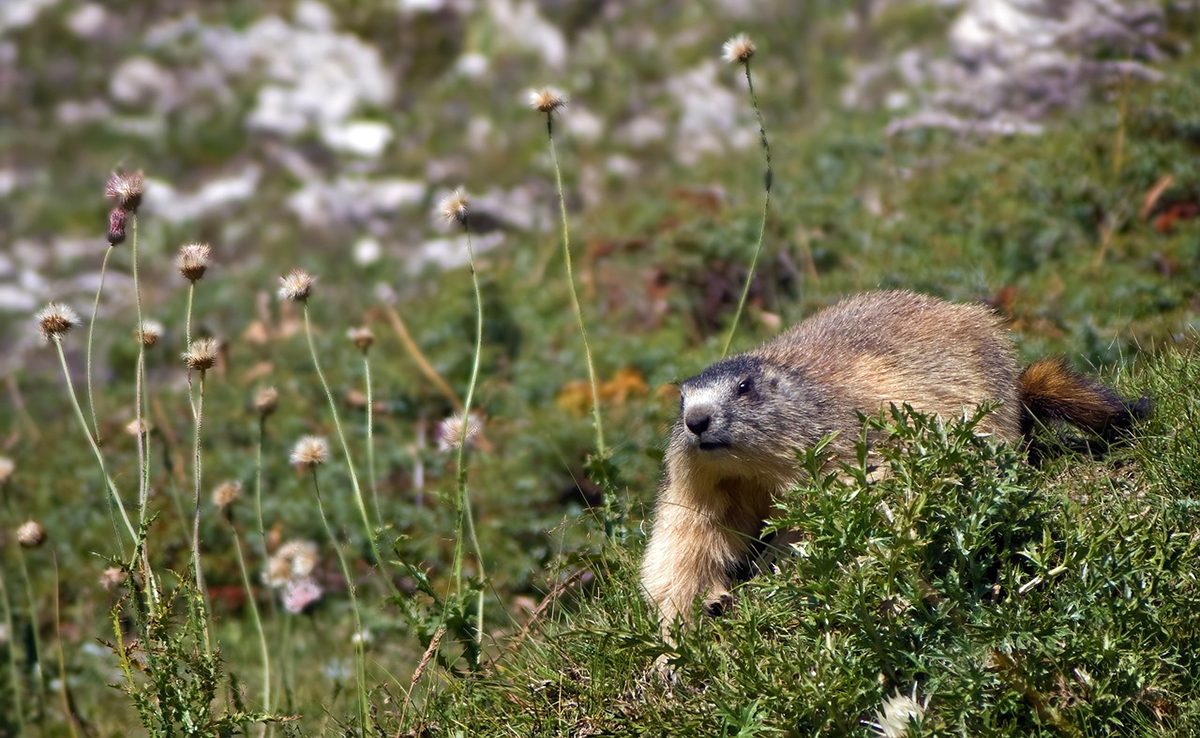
{"x": 31, "y": 534}
{"x": 309, "y": 452}
{"x": 126, "y": 189}
{"x": 7, "y": 467}
{"x": 116, "y": 226}
{"x": 111, "y": 578}
{"x": 295, "y": 286}
{"x": 894, "y": 716}
{"x": 193, "y": 261}
{"x": 451, "y": 431}
{"x": 227, "y": 493}
{"x": 454, "y": 207}
{"x": 362, "y": 337}
{"x": 55, "y": 320}
{"x": 547, "y": 100}
{"x": 266, "y": 400}
{"x": 149, "y": 333}
{"x": 738, "y": 49}
{"x": 136, "y": 427}
{"x": 202, "y": 354}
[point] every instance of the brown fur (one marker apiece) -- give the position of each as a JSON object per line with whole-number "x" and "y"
{"x": 734, "y": 445}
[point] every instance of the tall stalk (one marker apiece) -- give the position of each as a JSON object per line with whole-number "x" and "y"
{"x": 359, "y": 652}
{"x": 91, "y": 331}
{"x": 34, "y": 620}
{"x": 200, "y": 357}
{"x": 455, "y": 208}
{"x": 337, "y": 422}
{"x": 258, "y": 626}
{"x": 112, "y": 488}
{"x": 739, "y": 50}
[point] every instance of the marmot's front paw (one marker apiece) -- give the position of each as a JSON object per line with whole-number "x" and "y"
{"x": 718, "y": 603}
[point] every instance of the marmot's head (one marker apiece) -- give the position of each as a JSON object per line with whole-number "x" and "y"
{"x": 745, "y": 417}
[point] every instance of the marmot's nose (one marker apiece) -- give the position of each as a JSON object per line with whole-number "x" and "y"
{"x": 697, "y": 420}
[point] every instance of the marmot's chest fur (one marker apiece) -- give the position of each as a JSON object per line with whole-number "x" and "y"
{"x": 742, "y": 419}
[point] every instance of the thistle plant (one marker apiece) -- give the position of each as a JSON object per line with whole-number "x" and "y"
{"x": 116, "y": 236}
{"x": 549, "y": 100}
{"x": 297, "y": 286}
{"x": 31, "y": 535}
{"x": 739, "y": 50}
{"x": 266, "y": 400}
{"x": 309, "y": 453}
{"x": 454, "y": 210}
{"x": 363, "y": 339}
{"x": 54, "y": 322}
{"x": 200, "y": 357}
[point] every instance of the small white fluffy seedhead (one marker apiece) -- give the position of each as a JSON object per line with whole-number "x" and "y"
{"x": 149, "y": 333}
{"x": 451, "y": 431}
{"x": 362, "y": 337}
{"x": 55, "y": 320}
{"x": 193, "y": 261}
{"x": 202, "y": 354}
{"x": 897, "y": 712}
{"x": 453, "y": 207}
{"x": 738, "y": 49}
{"x": 266, "y": 400}
{"x": 227, "y": 493}
{"x": 309, "y": 452}
{"x": 31, "y": 534}
{"x": 296, "y": 285}
{"x": 127, "y": 189}
{"x": 547, "y": 100}
{"x": 112, "y": 577}
{"x": 7, "y": 467}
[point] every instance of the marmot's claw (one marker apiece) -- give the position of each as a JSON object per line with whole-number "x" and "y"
{"x": 719, "y": 605}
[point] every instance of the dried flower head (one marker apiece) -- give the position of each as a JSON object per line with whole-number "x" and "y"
{"x": 301, "y": 594}
{"x": 112, "y": 577}
{"x": 738, "y": 49}
{"x": 31, "y": 534}
{"x": 295, "y": 286}
{"x": 278, "y": 573}
{"x": 451, "y": 431}
{"x": 362, "y": 337}
{"x": 227, "y": 493}
{"x": 897, "y": 713}
{"x": 137, "y": 427}
{"x": 7, "y": 467}
{"x": 55, "y": 320}
{"x": 193, "y": 261}
{"x": 266, "y": 400}
{"x": 116, "y": 226}
{"x": 126, "y": 189}
{"x": 149, "y": 333}
{"x": 202, "y": 354}
{"x": 547, "y": 100}
{"x": 309, "y": 452}
{"x": 454, "y": 207}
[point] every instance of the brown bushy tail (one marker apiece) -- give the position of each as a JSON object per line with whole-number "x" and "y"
{"x": 1051, "y": 391}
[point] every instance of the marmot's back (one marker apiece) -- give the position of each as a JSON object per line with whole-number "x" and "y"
{"x": 895, "y": 347}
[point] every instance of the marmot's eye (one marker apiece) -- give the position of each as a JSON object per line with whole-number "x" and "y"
{"x": 746, "y": 386}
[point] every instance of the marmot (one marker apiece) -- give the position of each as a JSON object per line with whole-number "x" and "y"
{"x": 740, "y": 421}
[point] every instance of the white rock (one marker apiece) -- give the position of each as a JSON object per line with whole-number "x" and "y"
{"x": 360, "y": 137}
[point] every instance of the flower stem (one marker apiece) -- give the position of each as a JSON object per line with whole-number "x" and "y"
{"x": 359, "y": 654}
{"x": 262, "y": 635}
{"x": 337, "y": 422}
{"x": 62, "y": 660}
{"x": 768, "y": 178}
{"x": 566, "y": 240}
{"x": 371, "y": 437}
{"x": 464, "y": 500}
{"x": 112, "y": 488}
{"x": 91, "y": 331}
{"x": 33, "y": 628}
{"x": 197, "y": 469}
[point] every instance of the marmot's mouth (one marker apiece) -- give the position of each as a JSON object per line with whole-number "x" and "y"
{"x": 713, "y": 445}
